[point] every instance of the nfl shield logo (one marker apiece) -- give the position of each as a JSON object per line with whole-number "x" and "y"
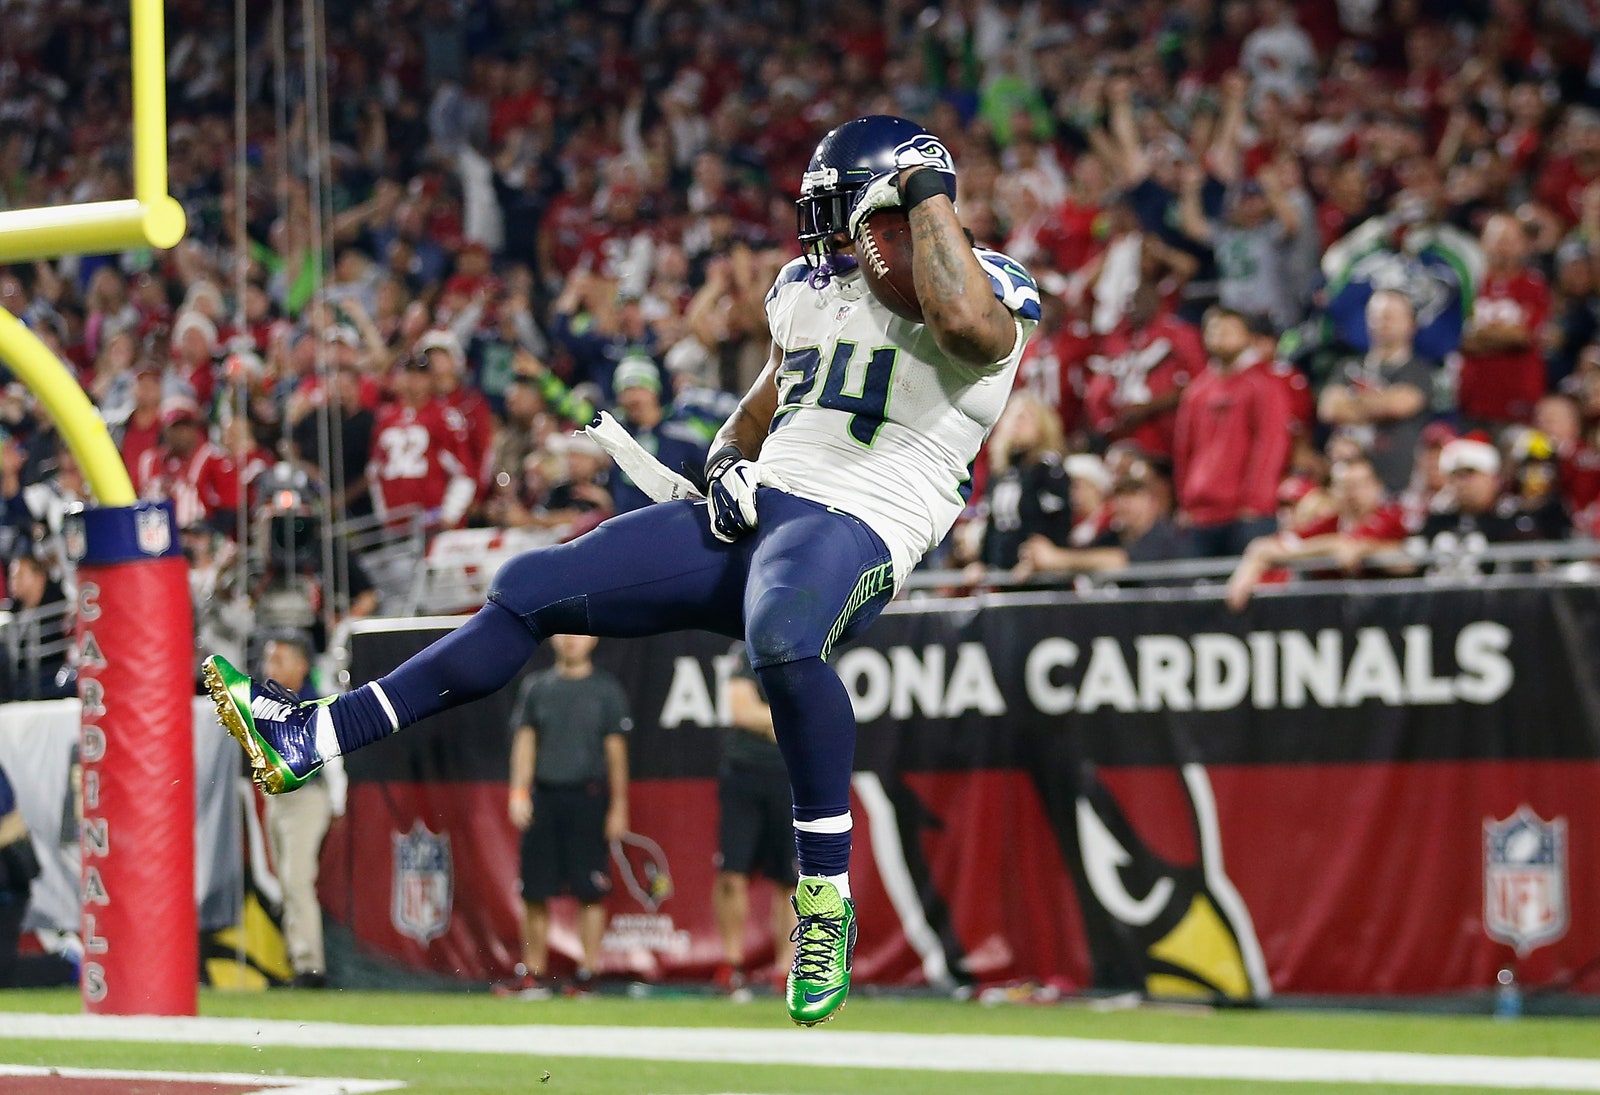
{"x": 75, "y": 541}
{"x": 1525, "y": 880}
{"x": 424, "y": 883}
{"x": 153, "y": 532}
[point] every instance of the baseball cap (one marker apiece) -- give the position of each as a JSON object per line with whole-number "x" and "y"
{"x": 344, "y": 333}
{"x": 1466, "y": 454}
{"x": 1089, "y": 467}
{"x": 194, "y": 321}
{"x": 1293, "y": 489}
{"x": 1138, "y": 475}
{"x": 687, "y": 355}
{"x": 440, "y": 340}
{"x": 636, "y": 371}
{"x": 178, "y": 409}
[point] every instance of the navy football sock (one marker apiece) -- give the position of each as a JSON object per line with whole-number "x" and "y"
{"x": 358, "y": 719}
{"x": 826, "y": 855}
{"x": 477, "y": 658}
{"x": 816, "y": 729}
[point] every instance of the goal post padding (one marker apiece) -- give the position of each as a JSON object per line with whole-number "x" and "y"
{"x": 136, "y": 680}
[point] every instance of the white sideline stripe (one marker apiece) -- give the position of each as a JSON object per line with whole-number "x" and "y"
{"x": 265, "y": 1085}
{"x": 843, "y": 1049}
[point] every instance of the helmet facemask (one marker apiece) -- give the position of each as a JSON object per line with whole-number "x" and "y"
{"x": 823, "y": 212}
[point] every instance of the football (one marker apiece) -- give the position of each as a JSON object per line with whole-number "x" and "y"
{"x": 884, "y": 254}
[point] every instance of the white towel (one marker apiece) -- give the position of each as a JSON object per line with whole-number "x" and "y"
{"x": 650, "y": 475}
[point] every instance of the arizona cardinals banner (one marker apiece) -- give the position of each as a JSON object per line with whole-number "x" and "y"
{"x": 1335, "y": 792}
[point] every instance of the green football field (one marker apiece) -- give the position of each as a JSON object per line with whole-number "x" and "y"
{"x": 609, "y": 1045}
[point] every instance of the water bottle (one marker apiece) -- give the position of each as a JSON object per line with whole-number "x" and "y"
{"x": 1507, "y": 995}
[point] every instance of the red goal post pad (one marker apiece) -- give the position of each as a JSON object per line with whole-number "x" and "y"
{"x": 135, "y": 630}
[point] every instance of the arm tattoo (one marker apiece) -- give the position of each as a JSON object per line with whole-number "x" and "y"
{"x": 957, "y": 299}
{"x": 940, "y": 274}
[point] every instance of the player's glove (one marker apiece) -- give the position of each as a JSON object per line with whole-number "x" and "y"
{"x": 880, "y": 193}
{"x": 731, "y": 483}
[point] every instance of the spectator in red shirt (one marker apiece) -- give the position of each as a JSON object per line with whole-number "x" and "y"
{"x": 1349, "y": 201}
{"x": 198, "y": 477}
{"x": 521, "y": 104}
{"x": 1064, "y": 238}
{"x": 1364, "y": 523}
{"x": 1141, "y": 374}
{"x": 142, "y": 431}
{"x": 1428, "y": 480}
{"x": 1559, "y": 417}
{"x": 446, "y": 364}
{"x": 566, "y": 223}
{"x": 417, "y": 455}
{"x": 1055, "y": 363}
{"x": 1566, "y": 175}
{"x": 1231, "y": 442}
{"x": 194, "y": 348}
{"x": 1296, "y": 386}
{"x": 1502, "y": 371}
{"x": 473, "y": 275}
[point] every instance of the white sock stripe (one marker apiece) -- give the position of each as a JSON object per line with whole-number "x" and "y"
{"x": 327, "y": 740}
{"x": 388, "y": 708}
{"x": 839, "y": 823}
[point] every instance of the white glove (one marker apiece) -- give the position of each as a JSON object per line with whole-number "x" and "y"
{"x": 880, "y": 193}
{"x": 731, "y": 483}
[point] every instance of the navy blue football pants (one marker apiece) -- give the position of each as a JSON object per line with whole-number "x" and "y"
{"x": 806, "y": 578}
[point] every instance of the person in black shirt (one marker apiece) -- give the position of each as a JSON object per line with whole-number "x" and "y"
{"x": 583, "y": 497}
{"x": 1477, "y": 512}
{"x": 755, "y": 830}
{"x": 1535, "y": 486}
{"x": 1382, "y": 398}
{"x": 42, "y": 623}
{"x": 569, "y": 800}
{"x": 19, "y": 866}
{"x": 1142, "y": 531}
{"x": 354, "y": 441}
{"x": 1029, "y": 493}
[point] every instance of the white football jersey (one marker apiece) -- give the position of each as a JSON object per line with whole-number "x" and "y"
{"x": 873, "y": 417}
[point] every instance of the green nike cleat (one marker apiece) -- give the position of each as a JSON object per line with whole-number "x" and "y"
{"x": 276, "y": 727}
{"x": 824, "y": 946}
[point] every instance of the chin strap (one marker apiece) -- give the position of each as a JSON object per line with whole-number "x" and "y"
{"x": 830, "y": 267}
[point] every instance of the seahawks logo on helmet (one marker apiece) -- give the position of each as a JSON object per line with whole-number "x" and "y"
{"x": 848, "y": 159}
{"x": 925, "y": 151}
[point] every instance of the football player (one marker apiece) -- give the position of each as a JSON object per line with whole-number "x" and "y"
{"x": 842, "y": 465}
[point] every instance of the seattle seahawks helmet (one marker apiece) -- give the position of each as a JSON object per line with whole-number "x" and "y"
{"x": 848, "y": 159}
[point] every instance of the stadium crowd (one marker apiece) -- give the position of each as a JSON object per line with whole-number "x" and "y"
{"x": 1318, "y": 279}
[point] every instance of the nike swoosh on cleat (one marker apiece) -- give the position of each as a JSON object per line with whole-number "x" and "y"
{"x": 818, "y": 997}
